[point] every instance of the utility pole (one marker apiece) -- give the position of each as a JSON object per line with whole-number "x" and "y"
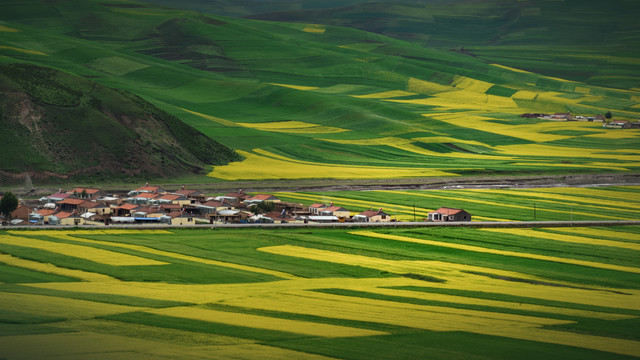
{"x": 414, "y": 212}
{"x": 534, "y": 212}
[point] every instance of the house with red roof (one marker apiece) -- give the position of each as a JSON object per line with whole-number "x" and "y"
{"x": 372, "y": 216}
{"x": 69, "y": 204}
{"x": 260, "y": 198}
{"x": 316, "y": 208}
{"x": 90, "y": 193}
{"x": 172, "y": 199}
{"x": 338, "y": 211}
{"x": 449, "y": 214}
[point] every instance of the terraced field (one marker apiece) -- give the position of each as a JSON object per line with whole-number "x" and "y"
{"x": 388, "y": 293}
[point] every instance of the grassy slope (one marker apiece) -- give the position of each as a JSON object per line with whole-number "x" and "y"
{"x": 71, "y": 126}
{"x": 222, "y": 70}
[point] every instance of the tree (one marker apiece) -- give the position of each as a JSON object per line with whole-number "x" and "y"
{"x": 8, "y": 204}
{"x": 84, "y": 194}
{"x": 608, "y": 115}
{"x": 263, "y": 207}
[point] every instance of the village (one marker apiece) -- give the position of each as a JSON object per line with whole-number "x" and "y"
{"x": 155, "y": 205}
{"x": 606, "y": 120}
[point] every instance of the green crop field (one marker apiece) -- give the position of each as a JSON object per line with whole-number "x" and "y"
{"x": 366, "y": 105}
{"x": 564, "y": 293}
{"x": 353, "y": 293}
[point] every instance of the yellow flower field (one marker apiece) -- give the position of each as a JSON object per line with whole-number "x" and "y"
{"x": 315, "y": 28}
{"x": 266, "y": 322}
{"x": 632, "y": 197}
{"x": 566, "y": 238}
{"x": 52, "y": 269}
{"x": 427, "y": 87}
{"x": 84, "y": 345}
{"x": 593, "y": 264}
{"x": 5, "y": 28}
{"x": 448, "y": 271}
{"x": 407, "y": 145}
{"x": 463, "y": 82}
{"x": 561, "y": 199}
{"x": 600, "y": 233}
{"x": 294, "y": 127}
{"x": 466, "y": 99}
{"x": 60, "y": 307}
{"x": 297, "y": 87}
{"x": 266, "y": 165}
{"x": 83, "y": 252}
{"x": 26, "y": 51}
{"x": 146, "y": 249}
{"x": 492, "y": 203}
{"x": 385, "y": 94}
{"x": 561, "y": 151}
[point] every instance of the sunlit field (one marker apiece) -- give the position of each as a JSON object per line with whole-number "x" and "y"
{"x": 556, "y": 293}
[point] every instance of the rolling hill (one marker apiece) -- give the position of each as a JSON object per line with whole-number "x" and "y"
{"x": 56, "y": 125}
{"x": 308, "y": 100}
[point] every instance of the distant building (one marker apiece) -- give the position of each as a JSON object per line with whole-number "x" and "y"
{"x": 372, "y": 216}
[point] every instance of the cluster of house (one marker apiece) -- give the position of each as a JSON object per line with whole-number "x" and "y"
{"x": 152, "y": 204}
{"x": 613, "y": 123}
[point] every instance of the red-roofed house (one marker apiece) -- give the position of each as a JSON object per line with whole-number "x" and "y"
{"x": 372, "y": 216}
{"x": 125, "y": 209}
{"x": 316, "y": 208}
{"x": 260, "y": 198}
{"x": 449, "y": 214}
{"x": 91, "y": 193}
{"x": 172, "y": 199}
{"x": 147, "y": 189}
{"x": 341, "y": 213}
{"x": 69, "y": 204}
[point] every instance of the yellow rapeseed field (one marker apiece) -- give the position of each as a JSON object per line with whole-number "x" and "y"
{"x": 492, "y": 203}
{"x": 297, "y": 87}
{"x": 266, "y": 165}
{"x": 510, "y": 68}
{"x": 83, "y": 252}
{"x": 466, "y": 99}
{"x": 500, "y": 252}
{"x": 315, "y": 28}
{"x": 631, "y": 197}
{"x": 601, "y": 233}
{"x": 566, "y": 238}
{"x": 67, "y": 308}
{"x": 52, "y": 269}
{"x": 612, "y": 205}
{"x": 265, "y": 322}
{"x": 294, "y": 127}
{"x": 26, "y": 51}
{"x": 5, "y": 28}
{"x": 463, "y": 82}
{"x": 427, "y": 87}
{"x": 385, "y": 94}
{"x": 562, "y": 151}
{"x": 149, "y": 250}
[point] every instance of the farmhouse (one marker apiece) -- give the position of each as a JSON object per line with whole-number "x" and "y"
{"x": 372, "y": 216}
{"x": 316, "y": 208}
{"x": 88, "y": 193}
{"x": 449, "y": 214}
{"x": 341, "y": 213}
{"x": 260, "y": 198}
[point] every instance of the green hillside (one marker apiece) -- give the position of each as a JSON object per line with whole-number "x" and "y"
{"x": 58, "y": 125}
{"x": 302, "y": 100}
